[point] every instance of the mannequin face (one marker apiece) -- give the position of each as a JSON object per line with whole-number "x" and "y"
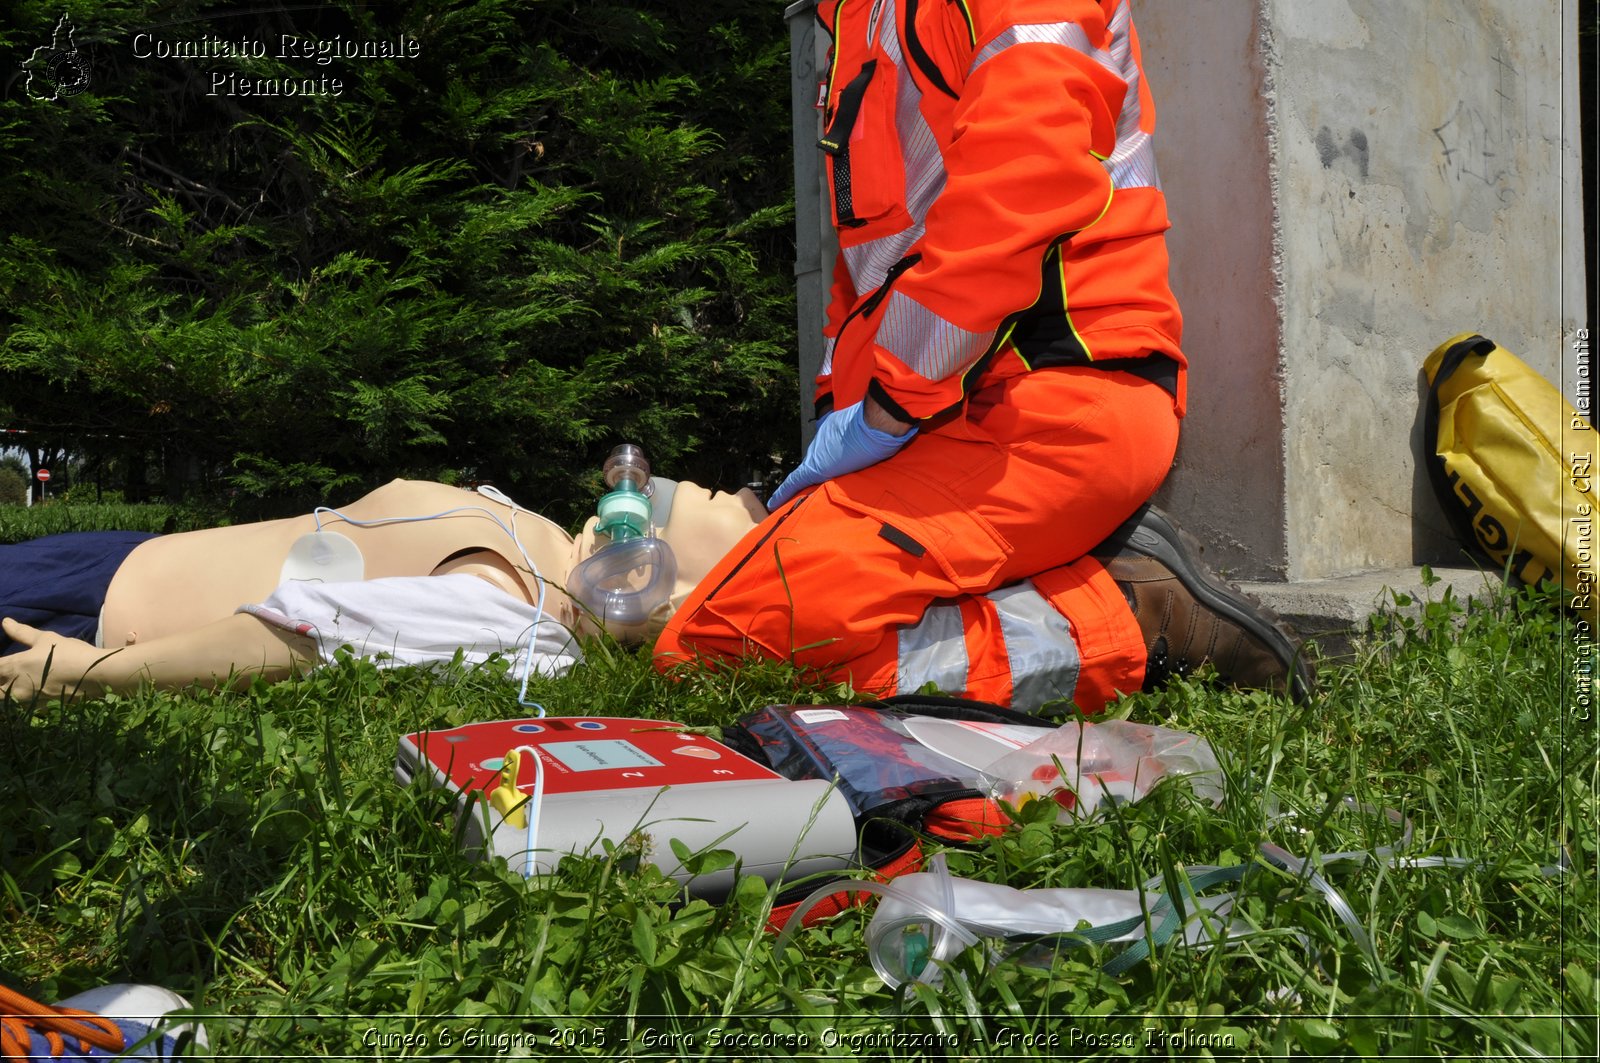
{"x": 703, "y": 526}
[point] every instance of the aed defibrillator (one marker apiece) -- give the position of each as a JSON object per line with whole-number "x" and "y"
{"x": 534, "y": 791}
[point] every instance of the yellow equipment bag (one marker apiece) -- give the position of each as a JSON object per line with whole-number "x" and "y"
{"x": 1511, "y": 466}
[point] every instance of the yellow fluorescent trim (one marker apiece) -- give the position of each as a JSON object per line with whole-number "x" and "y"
{"x": 1110, "y": 195}
{"x": 833, "y": 66}
{"x": 966, "y": 15}
{"x": 1005, "y": 339}
{"x": 1066, "y": 310}
{"x": 1087, "y": 353}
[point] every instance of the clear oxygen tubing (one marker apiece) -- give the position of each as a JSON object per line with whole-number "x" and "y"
{"x": 496, "y": 495}
{"x": 1308, "y": 870}
{"x": 923, "y": 933}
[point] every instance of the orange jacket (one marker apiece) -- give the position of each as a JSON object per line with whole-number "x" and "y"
{"x": 996, "y": 199}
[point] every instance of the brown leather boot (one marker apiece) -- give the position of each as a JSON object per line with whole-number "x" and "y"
{"x": 1191, "y": 616}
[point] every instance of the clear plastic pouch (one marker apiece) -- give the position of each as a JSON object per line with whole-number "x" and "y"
{"x": 1083, "y": 766}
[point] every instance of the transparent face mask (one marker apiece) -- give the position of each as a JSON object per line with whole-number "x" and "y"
{"x": 626, "y": 582}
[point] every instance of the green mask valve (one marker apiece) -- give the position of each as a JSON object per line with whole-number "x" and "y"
{"x": 633, "y": 575}
{"x": 624, "y": 511}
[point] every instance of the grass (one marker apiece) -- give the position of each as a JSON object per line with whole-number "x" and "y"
{"x": 252, "y": 851}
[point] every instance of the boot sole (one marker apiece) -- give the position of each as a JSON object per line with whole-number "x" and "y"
{"x": 1154, "y": 534}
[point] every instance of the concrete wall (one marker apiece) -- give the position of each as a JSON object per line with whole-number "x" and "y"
{"x": 1416, "y": 161}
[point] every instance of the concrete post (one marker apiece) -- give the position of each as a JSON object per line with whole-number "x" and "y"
{"x": 815, "y": 242}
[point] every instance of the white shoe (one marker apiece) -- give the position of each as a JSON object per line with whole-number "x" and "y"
{"x": 111, "y": 1022}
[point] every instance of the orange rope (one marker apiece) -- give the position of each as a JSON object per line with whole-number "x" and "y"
{"x": 20, "y": 1016}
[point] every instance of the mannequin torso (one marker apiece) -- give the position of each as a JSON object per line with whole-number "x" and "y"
{"x": 179, "y": 582}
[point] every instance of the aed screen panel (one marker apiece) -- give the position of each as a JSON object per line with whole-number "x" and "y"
{"x": 600, "y": 755}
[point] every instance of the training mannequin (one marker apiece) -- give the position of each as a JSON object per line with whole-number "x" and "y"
{"x": 172, "y": 616}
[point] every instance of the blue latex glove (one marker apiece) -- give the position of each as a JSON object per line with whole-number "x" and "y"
{"x": 844, "y": 443}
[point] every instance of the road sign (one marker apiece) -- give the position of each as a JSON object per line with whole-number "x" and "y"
{"x": 44, "y": 475}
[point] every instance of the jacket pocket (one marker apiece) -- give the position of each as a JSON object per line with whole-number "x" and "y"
{"x": 866, "y": 174}
{"x": 927, "y": 521}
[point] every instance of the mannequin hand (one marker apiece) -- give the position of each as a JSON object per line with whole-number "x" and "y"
{"x": 53, "y": 666}
{"x": 845, "y": 442}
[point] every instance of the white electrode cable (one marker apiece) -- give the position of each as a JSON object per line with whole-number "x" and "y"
{"x": 532, "y": 809}
{"x": 493, "y": 493}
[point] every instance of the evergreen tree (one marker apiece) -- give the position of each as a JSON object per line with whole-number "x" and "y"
{"x": 13, "y": 482}
{"x": 535, "y": 230}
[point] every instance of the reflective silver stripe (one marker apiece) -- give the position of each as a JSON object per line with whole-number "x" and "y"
{"x": 872, "y": 18}
{"x": 919, "y": 150}
{"x": 934, "y": 650}
{"x": 1132, "y": 162}
{"x": 924, "y": 175}
{"x": 827, "y": 356}
{"x": 1039, "y": 645}
{"x": 1068, "y": 34}
{"x": 869, "y": 263}
{"x": 930, "y": 346}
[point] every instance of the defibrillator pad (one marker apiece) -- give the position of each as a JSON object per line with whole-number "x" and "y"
{"x": 880, "y": 757}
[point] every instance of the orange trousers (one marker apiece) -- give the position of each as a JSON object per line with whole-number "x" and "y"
{"x": 933, "y": 566}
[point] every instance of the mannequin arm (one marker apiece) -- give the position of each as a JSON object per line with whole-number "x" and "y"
{"x": 228, "y": 652}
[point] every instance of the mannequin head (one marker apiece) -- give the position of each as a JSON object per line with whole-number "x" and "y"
{"x": 701, "y": 526}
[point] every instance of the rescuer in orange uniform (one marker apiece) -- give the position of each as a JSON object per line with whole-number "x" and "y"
{"x": 1001, "y": 387}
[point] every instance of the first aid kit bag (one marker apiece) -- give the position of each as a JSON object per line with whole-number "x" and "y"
{"x": 1509, "y": 459}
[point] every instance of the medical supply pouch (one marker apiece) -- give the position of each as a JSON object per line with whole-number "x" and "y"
{"x": 948, "y": 768}
{"x": 1501, "y": 458}
{"x": 879, "y": 758}
{"x": 899, "y": 788}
